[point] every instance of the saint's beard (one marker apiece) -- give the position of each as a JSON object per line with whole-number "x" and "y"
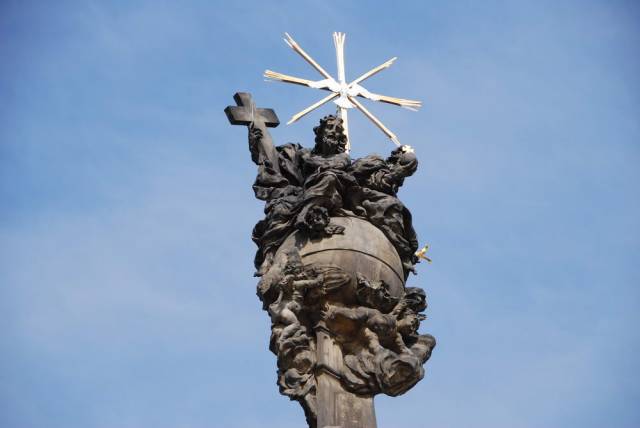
{"x": 329, "y": 145}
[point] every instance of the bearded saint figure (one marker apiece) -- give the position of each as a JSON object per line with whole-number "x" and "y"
{"x": 307, "y": 191}
{"x": 313, "y": 185}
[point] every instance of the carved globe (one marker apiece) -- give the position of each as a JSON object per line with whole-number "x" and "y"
{"x": 362, "y": 248}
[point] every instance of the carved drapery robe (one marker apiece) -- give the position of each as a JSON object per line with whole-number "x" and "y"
{"x": 376, "y": 200}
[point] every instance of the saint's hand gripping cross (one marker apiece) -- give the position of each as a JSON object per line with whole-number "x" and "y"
{"x": 246, "y": 113}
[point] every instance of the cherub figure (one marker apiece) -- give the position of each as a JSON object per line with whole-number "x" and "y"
{"x": 317, "y": 223}
{"x": 407, "y": 313}
{"x": 396, "y": 331}
{"x": 295, "y": 282}
{"x": 391, "y": 353}
{"x": 379, "y": 330}
{"x": 374, "y": 294}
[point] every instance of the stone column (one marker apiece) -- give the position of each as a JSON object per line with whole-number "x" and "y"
{"x": 336, "y": 406}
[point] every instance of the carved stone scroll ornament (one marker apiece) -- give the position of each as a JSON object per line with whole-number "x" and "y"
{"x": 334, "y": 251}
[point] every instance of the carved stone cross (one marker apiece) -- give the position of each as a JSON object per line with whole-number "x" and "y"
{"x": 246, "y": 113}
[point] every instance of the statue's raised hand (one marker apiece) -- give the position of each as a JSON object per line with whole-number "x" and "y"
{"x": 255, "y": 136}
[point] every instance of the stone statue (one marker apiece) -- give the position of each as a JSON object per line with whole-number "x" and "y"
{"x": 335, "y": 248}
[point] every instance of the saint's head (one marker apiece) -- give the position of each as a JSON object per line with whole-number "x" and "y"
{"x": 330, "y": 136}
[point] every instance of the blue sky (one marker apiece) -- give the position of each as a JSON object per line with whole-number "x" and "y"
{"x": 125, "y": 256}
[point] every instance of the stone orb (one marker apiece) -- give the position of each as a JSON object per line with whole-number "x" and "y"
{"x": 361, "y": 248}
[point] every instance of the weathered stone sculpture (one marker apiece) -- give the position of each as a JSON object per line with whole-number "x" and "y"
{"x": 334, "y": 251}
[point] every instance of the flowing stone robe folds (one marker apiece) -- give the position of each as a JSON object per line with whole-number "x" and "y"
{"x": 334, "y": 251}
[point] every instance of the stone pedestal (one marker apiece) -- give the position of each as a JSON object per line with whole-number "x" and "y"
{"x": 336, "y": 406}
